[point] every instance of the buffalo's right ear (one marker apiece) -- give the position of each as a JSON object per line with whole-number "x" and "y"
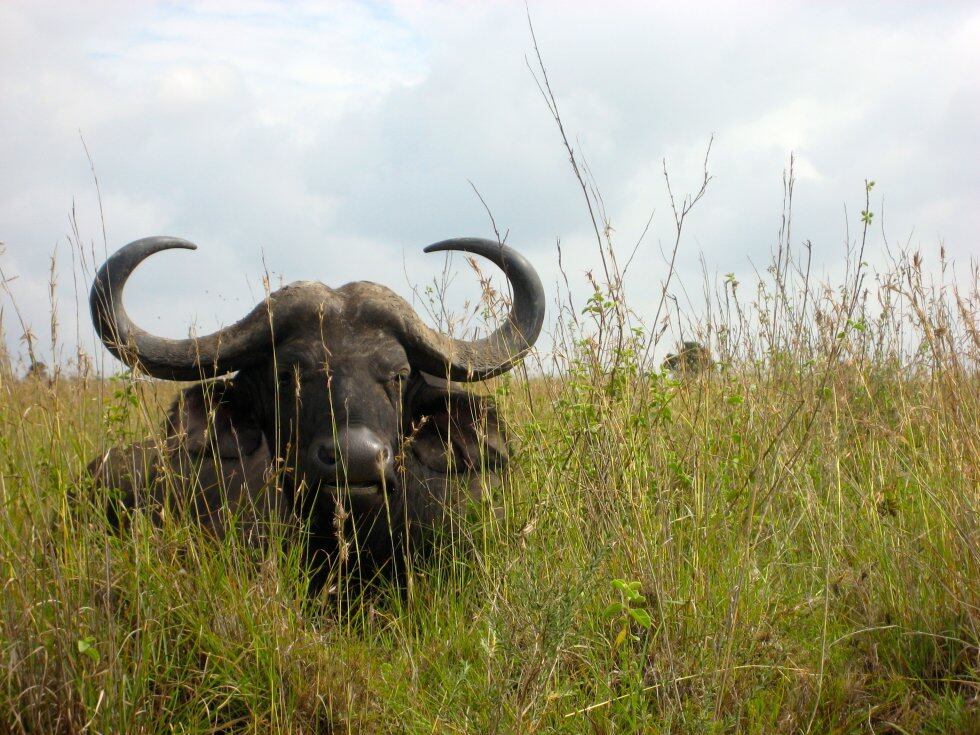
{"x": 215, "y": 419}
{"x": 453, "y": 428}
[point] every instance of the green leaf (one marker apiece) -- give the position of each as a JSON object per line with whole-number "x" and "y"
{"x": 614, "y": 609}
{"x": 641, "y": 616}
{"x": 86, "y": 647}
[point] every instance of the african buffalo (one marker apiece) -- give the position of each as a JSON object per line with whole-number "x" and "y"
{"x": 339, "y": 407}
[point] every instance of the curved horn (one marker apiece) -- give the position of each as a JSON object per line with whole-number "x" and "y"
{"x": 221, "y": 352}
{"x": 497, "y": 353}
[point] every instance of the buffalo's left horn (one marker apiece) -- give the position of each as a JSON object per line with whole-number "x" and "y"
{"x": 466, "y": 360}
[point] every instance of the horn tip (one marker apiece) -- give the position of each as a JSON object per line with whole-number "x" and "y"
{"x": 477, "y": 245}
{"x": 163, "y": 242}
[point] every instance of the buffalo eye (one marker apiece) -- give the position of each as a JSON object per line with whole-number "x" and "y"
{"x": 288, "y": 376}
{"x": 397, "y": 378}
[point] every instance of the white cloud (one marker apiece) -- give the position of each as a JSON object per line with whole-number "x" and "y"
{"x": 337, "y": 139}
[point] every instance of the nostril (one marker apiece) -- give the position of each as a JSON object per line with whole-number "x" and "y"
{"x": 357, "y": 456}
{"x": 326, "y": 454}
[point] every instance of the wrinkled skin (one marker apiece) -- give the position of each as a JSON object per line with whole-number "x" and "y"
{"x": 223, "y": 438}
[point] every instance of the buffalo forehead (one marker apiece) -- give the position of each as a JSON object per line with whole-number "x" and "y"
{"x": 348, "y": 322}
{"x": 341, "y": 333}
{"x": 371, "y": 303}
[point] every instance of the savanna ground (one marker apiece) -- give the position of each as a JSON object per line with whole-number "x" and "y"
{"x": 787, "y": 541}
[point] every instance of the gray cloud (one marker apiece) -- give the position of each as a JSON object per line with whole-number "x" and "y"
{"x": 336, "y": 141}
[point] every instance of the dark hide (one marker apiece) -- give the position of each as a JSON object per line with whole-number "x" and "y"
{"x": 214, "y": 463}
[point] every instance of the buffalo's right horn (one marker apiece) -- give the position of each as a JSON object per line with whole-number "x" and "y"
{"x": 226, "y": 350}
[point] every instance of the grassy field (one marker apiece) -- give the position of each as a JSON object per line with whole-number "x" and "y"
{"x": 786, "y": 542}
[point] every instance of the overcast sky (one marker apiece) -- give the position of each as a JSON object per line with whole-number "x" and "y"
{"x": 333, "y": 140}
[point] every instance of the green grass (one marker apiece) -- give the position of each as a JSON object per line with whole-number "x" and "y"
{"x": 789, "y": 543}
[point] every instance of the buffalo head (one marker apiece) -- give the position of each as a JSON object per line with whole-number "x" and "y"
{"x": 331, "y": 384}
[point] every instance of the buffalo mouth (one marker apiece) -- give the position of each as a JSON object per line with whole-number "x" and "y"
{"x": 320, "y": 483}
{"x": 362, "y": 490}
{"x": 359, "y": 490}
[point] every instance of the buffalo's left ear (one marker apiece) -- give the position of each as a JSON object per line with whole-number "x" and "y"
{"x": 450, "y": 427}
{"x": 215, "y": 419}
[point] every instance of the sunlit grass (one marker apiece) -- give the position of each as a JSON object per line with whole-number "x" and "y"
{"x": 788, "y": 541}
